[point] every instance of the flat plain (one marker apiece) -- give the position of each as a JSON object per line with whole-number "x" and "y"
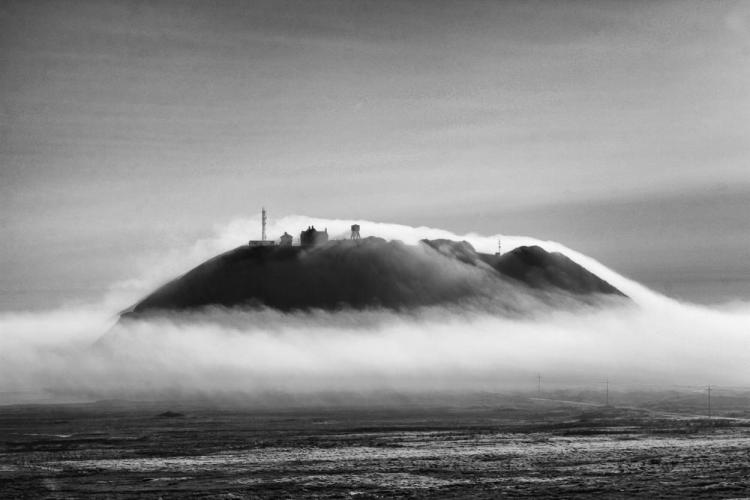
{"x": 655, "y": 445}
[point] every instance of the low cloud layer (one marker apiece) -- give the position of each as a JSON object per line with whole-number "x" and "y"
{"x": 655, "y": 341}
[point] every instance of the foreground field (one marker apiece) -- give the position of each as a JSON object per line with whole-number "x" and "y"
{"x": 504, "y": 446}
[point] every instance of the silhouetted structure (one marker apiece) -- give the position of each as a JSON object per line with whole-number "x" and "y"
{"x": 355, "y": 232}
{"x": 285, "y": 240}
{"x": 312, "y": 236}
{"x": 263, "y": 222}
{"x": 262, "y": 242}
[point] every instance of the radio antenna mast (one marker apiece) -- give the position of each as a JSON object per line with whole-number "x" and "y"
{"x": 263, "y": 219}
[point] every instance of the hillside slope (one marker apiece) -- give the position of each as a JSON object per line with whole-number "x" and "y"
{"x": 376, "y": 273}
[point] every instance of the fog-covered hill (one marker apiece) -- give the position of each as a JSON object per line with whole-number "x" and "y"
{"x": 373, "y": 273}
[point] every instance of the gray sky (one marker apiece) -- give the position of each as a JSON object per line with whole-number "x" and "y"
{"x": 621, "y": 129}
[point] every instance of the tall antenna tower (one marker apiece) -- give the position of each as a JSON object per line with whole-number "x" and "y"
{"x": 263, "y": 219}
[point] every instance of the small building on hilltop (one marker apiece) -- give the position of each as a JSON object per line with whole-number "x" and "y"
{"x": 311, "y": 237}
{"x": 307, "y": 238}
{"x": 261, "y": 243}
{"x": 285, "y": 240}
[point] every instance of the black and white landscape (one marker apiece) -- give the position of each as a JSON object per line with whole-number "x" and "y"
{"x": 519, "y": 266}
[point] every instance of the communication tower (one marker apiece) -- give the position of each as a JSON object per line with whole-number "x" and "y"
{"x": 355, "y": 232}
{"x": 262, "y": 242}
{"x": 263, "y": 219}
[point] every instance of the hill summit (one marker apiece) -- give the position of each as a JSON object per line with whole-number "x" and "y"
{"x": 375, "y": 273}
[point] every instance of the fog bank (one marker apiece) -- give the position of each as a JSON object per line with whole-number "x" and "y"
{"x": 654, "y": 341}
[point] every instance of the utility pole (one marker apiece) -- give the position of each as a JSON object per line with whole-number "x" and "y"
{"x": 539, "y": 384}
{"x": 709, "y": 401}
{"x": 607, "y": 392}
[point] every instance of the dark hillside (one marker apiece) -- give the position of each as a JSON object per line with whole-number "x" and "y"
{"x": 370, "y": 273}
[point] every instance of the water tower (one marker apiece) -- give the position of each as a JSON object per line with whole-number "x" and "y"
{"x": 355, "y": 232}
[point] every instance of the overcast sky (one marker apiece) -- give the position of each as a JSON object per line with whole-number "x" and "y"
{"x": 621, "y": 129}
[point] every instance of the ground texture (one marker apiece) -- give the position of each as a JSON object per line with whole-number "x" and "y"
{"x": 517, "y": 447}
